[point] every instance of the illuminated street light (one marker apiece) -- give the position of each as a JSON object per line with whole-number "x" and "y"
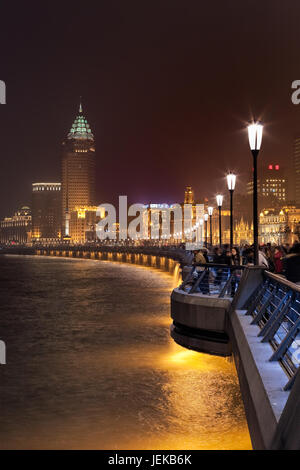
{"x": 219, "y": 198}
{"x": 231, "y": 180}
{"x": 201, "y": 231}
{"x": 255, "y": 131}
{"x": 205, "y": 220}
{"x": 210, "y": 213}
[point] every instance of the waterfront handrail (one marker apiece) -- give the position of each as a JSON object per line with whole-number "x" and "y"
{"x": 275, "y": 308}
{"x": 212, "y": 279}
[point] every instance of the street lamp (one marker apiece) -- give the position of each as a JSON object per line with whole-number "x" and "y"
{"x": 205, "y": 220}
{"x": 219, "y": 198}
{"x": 201, "y": 231}
{"x": 231, "y": 179}
{"x": 210, "y": 213}
{"x": 255, "y": 132}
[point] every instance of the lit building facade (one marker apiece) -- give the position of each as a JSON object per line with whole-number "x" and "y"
{"x": 78, "y": 171}
{"x": 189, "y": 195}
{"x": 279, "y": 227}
{"x": 46, "y": 212}
{"x": 296, "y": 168}
{"x": 83, "y": 221}
{"x": 271, "y": 182}
{"x": 242, "y": 233}
{"x": 16, "y": 229}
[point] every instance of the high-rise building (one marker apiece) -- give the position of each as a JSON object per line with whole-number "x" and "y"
{"x": 296, "y": 170}
{"x": 83, "y": 221}
{"x": 16, "y": 229}
{"x": 271, "y": 181}
{"x": 78, "y": 170}
{"x": 189, "y": 195}
{"x": 46, "y": 212}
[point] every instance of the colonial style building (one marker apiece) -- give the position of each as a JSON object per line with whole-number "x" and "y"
{"x": 279, "y": 227}
{"x": 16, "y": 229}
{"x": 46, "y": 212}
{"x": 242, "y": 233}
{"x": 78, "y": 171}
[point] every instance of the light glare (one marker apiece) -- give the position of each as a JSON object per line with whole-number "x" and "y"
{"x": 255, "y": 131}
{"x": 231, "y": 180}
{"x": 219, "y": 198}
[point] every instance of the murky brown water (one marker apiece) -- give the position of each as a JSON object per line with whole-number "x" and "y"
{"x": 90, "y": 363}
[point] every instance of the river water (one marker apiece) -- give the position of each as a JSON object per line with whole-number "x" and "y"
{"x": 90, "y": 363}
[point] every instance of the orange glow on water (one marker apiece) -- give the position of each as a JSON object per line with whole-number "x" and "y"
{"x": 141, "y": 390}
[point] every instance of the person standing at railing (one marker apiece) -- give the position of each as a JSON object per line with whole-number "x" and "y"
{"x": 201, "y": 258}
{"x": 237, "y": 273}
{"x": 267, "y": 251}
{"x": 278, "y": 255}
{"x": 218, "y": 258}
{"x": 249, "y": 258}
{"x": 228, "y": 258}
{"x": 286, "y": 248}
{"x": 236, "y": 257}
{"x": 291, "y": 264}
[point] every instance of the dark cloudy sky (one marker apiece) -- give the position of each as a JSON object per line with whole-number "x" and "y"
{"x": 167, "y": 88}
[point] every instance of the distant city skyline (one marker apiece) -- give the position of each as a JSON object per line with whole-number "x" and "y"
{"x": 168, "y": 108}
{"x": 197, "y": 192}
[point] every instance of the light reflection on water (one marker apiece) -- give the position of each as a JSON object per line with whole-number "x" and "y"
{"x": 91, "y": 363}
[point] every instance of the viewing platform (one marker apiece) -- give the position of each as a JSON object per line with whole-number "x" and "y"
{"x": 254, "y": 315}
{"x": 200, "y": 306}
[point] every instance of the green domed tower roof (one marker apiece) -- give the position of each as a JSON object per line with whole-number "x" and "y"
{"x": 80, "y": 129}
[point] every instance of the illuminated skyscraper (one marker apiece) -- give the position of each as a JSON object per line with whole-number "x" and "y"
{"x": 189, "y": 195}
{"x": 296, "y": 170}
{"x": 78, "y": 170}
{"x": 272, "y": 181}
{"x": 46, "y": 212}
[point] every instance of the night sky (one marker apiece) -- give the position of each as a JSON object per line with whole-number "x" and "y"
{"x": 167, "y": 87}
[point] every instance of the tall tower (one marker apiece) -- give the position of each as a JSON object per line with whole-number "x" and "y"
{"x": 189, "y": 195}
{"x": 78, "y": 169}
{"x": 296, "y": 170}
{"x": 46, "y": 211}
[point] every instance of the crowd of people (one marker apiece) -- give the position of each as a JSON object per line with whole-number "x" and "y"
{"x": 283, "y": 260}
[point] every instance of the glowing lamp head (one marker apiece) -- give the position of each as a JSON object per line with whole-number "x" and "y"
{"x": 231, "y": 180}
{"x": 219, "y": 199}
{"x": 255, "y": 132}
{"x": 210, "y": 210}
{"x": 206, "y": 217}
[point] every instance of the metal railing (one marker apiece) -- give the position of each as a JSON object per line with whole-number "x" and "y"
{"x": 213, "y": 279}
{"x": 275, "y": 308}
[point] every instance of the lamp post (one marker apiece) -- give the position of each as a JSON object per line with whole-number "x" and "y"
{"x": 205, "y": 220}
{"x": 210, "y": 213}
{"x": 219, "y": 198}
{"x": 255, "y": 131}
{"x": 201, "y": 231}
{"x": 231, "y": 179}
